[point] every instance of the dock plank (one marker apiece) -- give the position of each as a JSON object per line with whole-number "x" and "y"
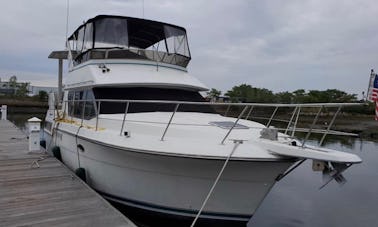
{"x": 48, "y": 195}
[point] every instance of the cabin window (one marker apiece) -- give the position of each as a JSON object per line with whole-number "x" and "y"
{"x": 70, "y": 103}
{"x": 79, "y": 101}
{"x": 90, "y": 107}
{"x": 78, "y": 104}
{"x": 176, "y": 41}
{"x": 88, "y": 37}
{"x": 111, "y": 32}
{"x": 80, "y": 38}
{"x": 146, "y": 93}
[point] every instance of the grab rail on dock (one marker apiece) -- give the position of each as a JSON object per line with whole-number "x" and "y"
{"x": 292, "y": 123}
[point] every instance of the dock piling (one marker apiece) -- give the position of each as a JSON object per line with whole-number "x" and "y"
{"x": 34, "y": 132}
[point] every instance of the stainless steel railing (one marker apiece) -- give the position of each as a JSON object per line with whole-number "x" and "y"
{"x": 292, "y": 123}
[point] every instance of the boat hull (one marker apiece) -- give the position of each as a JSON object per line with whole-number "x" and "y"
{"x": 172, "y": 186}
{"x": 148, "y": 218}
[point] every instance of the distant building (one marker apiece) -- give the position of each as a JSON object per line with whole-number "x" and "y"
{"x": 7, "y": 88}
{"x": 34, "y": 90}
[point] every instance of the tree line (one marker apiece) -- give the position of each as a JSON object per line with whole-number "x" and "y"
{"x": 250, "y": 94}
{"x": 247, "y": 93}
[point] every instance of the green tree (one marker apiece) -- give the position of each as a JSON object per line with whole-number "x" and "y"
{"x": 284, "y": 97}
{"x": 22, "y": 90}
{"x": 299, "y": 96}
{"x": 330, "y": 95}
{"x": 213, "y": 93}
{"x": 247, "y": 93}
{"x": 13, "y": 81}
{"x": 335, "y": 95}
{"x": 43, "y": 95}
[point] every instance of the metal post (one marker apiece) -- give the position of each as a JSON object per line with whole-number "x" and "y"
{"x": 329, "y": 126}
{"x": 233, "y": 126}
{"x": 83, "y": 114}
{"x": 296, "y": 121}
{"x": 60, "y": 78}
{"x": 98, "y": 113}
{"x": 291, "y": 119}
{"x": 124, "y": 118}
{"x": 170, "y": 120}
{"x": 271, "y": 117}
{"x": 228, "y": 108}
{"x": 73, "y": 108}
{"x": 312, "y": 126}
{"x": 249, "y": 113}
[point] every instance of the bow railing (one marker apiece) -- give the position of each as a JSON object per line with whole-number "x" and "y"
{"x": 286, "y": 121}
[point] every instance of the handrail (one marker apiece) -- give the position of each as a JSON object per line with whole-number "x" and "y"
{"x": 249, "y": 113}
{"x": 98, "y": 113}
{"x": 124, "y": 117}
{"x": 312, "y": 126}
{"x": 136, "y": 53}
{"x": 231, "y": 104}
{"x": 296, "y": 121}
{"x": 170, "y": 120}
{"x": 291, "y": 119}
{"x": 271, "y": 117}
{"x": 329, "y": 126}
{"x": 247, "y": 106}
{"x": 233, "y": 126}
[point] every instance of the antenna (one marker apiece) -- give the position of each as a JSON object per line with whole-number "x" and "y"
{"x": 68, "y": 13}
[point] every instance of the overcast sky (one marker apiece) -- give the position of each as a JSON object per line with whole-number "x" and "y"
{"x": 278, "y": 45}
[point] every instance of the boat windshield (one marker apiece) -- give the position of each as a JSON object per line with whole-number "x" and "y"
{"x": 147, "y": 93}
{"x": 138, "y": 37}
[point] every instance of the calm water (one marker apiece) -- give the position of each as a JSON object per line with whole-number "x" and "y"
{"x": 297, "y": 201}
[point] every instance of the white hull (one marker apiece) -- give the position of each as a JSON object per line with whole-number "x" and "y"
{"x": 134, "y": 119}
{"x": 173, "y": 185}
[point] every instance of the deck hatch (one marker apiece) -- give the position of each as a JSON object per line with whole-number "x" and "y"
{"x": 227, "y": 125}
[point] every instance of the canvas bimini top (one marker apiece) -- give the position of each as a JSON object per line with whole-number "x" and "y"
{"x": 107, "y": 36}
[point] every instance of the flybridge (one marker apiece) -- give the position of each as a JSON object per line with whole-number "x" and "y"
{"x": 117, "y": 37}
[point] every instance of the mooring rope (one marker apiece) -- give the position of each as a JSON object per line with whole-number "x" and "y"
{"x": 237, "y": 143}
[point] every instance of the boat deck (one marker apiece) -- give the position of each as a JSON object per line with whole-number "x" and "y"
{"x": 45, "y": 193}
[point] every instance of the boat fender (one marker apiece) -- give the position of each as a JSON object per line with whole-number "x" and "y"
{"x": 80, "y": 172}
{"x": 42, "y": 143}
{"x": 56, "y": 153}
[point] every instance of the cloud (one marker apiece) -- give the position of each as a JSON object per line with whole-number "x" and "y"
{"x": 279, "y": 45}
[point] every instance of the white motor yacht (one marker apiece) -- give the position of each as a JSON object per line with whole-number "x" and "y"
{"x": 133, "y": 123}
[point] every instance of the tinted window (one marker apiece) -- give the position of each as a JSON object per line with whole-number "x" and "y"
{"x": 143, "y": 93}
{"x": 90, "y": 108}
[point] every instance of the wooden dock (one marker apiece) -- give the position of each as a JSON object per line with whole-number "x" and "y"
{"x": 38, "y": 190}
